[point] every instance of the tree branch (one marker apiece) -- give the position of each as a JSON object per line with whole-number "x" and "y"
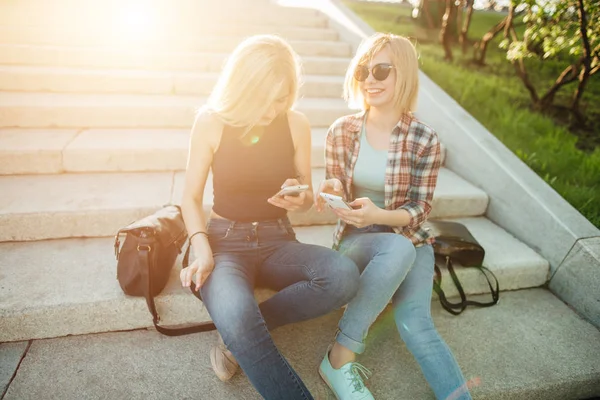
{"x": 445, "y": 37}
{"x": 568, "y": 75}
{"x": 509, "y": 19}
{"x": 522, "y": 73}
{"x": 465, "y": 28}
{"x": 586, "y": 58}
{"x": 481, "y": 46}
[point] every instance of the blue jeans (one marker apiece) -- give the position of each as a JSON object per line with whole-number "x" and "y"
{"x": 391, "y": 267}
{"x": 311, "y": 281}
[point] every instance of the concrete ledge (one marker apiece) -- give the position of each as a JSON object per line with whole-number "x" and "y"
{"x": 88, "y": 16}
{"x": 57, "y": 110}
{"x": 73, "y": 37}
{"x": 11, "y": 355}
{"x": 39, "y": 151}
{"x": 27, "y": 151}
{"x": 148, "y": 59}
{"x": 534, "y": 348}
{"x": 79, "y": 292}
{"x": 577, "y": 280}
{"x": 225, "y": 44}
{"x": 91, "y": 205}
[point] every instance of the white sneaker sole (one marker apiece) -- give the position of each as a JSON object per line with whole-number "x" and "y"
{"x": 328, "y": 384}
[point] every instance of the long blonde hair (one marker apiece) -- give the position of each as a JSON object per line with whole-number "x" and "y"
{"x": 255, "y": 74}
{"x": 405, "y": 60}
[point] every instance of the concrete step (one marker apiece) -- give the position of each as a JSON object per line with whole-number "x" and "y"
{"x": 28, "y": 151}
{"x": 529, "y": 346}
{"x": 73, "y": 56}
{"x": 60, "y": 36}
{"x": 136, "y": 20}
{"x": 78, "y": 80}
{"x": 44, "y": 110}
{"x": 35, "y": 207}
{"x": 67, "y": 287}
{"x": 225, "y": 44}
{"x": 222, "y": 44}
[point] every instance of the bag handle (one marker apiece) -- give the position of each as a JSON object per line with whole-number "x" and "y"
{"x": 144, "y": 250}
{"x": 457, "y": 308}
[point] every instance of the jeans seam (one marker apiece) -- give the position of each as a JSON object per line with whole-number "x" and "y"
{"x": 284, "y": 362}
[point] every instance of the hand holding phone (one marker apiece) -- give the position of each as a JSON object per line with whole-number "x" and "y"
{"x": 335, "y": 201}
{"x": 293, "y": 190}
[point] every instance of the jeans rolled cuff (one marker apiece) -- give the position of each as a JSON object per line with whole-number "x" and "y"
{"x": 349, "y": 343}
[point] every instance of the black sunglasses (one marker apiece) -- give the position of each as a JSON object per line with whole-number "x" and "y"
{"x": 379, "y": 71}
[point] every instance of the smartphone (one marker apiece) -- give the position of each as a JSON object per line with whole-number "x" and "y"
{"x": 294, "y": 190}
{"x": 335, "y": 201}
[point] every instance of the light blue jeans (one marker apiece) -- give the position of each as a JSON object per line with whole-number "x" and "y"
{"x": 391, "y": 267}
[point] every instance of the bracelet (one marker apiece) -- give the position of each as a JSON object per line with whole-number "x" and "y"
{"x": 195, "y": 233}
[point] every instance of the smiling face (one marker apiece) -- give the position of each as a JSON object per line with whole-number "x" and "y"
{"x": 397, "y": 92}
{"x": 379, "y": 93}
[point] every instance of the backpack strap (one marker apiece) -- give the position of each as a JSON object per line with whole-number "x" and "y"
{"x": 144, "y": 256}
{"x": 457, "y": 308}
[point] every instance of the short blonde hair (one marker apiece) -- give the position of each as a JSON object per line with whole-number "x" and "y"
{"x": 253, "y": 77}
{"x": 405, "y": 60}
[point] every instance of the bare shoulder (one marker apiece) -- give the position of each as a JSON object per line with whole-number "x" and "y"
{"x": 297, "y": 121}
{"x": 299, "y": 127}
{"x": 207, "y": 129}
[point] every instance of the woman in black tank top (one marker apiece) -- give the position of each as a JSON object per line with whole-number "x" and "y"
{"x": 255, "y": 145}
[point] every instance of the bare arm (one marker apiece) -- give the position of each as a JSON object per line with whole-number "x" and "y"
{"x": 302, "y": 158}
{"x": 204, "y": 139}
{"x": 334, "y": 169}
{"x": 301, "y": 136}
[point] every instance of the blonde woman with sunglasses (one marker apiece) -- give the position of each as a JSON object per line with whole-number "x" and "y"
{"x": 385, "y": 163}
{"x": 254, "y": 143}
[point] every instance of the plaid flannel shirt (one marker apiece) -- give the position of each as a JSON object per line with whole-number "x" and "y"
{"x": 411, "y": 173}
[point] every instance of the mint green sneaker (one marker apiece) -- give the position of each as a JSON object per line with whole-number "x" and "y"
{"x": 346, "y": 383}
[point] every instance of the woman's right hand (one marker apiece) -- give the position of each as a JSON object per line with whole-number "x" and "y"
{"x": 331, "y": 186}
{"x": 199, "y": 271}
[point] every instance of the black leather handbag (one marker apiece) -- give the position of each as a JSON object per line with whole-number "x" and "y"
{"x": 454, "y": 242}
{"x": 145, "y": 260}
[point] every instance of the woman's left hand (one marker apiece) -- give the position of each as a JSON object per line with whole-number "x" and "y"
{"x": 365, "y": 213}
{"x": 290, "y": 203}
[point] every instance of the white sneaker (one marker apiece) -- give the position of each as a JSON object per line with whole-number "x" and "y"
{"x": 346, "y": 383}
{"x": 222, "y": 361}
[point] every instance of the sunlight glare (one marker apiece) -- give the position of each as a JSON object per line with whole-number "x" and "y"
{"x": 135, "y": 21}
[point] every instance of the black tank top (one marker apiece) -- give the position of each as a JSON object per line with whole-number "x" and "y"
{"x": 247, "y": 171}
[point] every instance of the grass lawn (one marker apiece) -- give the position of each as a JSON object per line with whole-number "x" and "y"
{"x": 495, "y": 96}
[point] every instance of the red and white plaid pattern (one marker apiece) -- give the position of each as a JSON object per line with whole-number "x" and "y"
{"x": 414, "y": 160}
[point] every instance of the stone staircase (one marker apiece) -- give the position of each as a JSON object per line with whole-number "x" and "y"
{"x": 94, "y": 134}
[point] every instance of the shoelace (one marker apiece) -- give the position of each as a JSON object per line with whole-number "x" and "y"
{"x": 357, "y": 372}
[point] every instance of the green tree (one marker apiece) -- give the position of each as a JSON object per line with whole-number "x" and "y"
{"x": 556, "y": 29}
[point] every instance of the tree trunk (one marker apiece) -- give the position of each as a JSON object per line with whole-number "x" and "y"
{"x": 509, "y": 20}
{"x": 481, "y": 47}
{"x": 445, "y": 33}
{"x": 427, "y": 11}
{"x": 568, "y": 75}
{"x": 522, "y": 73}
{"x": 465, "y": 27}
{"x": 587, "y": 61}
